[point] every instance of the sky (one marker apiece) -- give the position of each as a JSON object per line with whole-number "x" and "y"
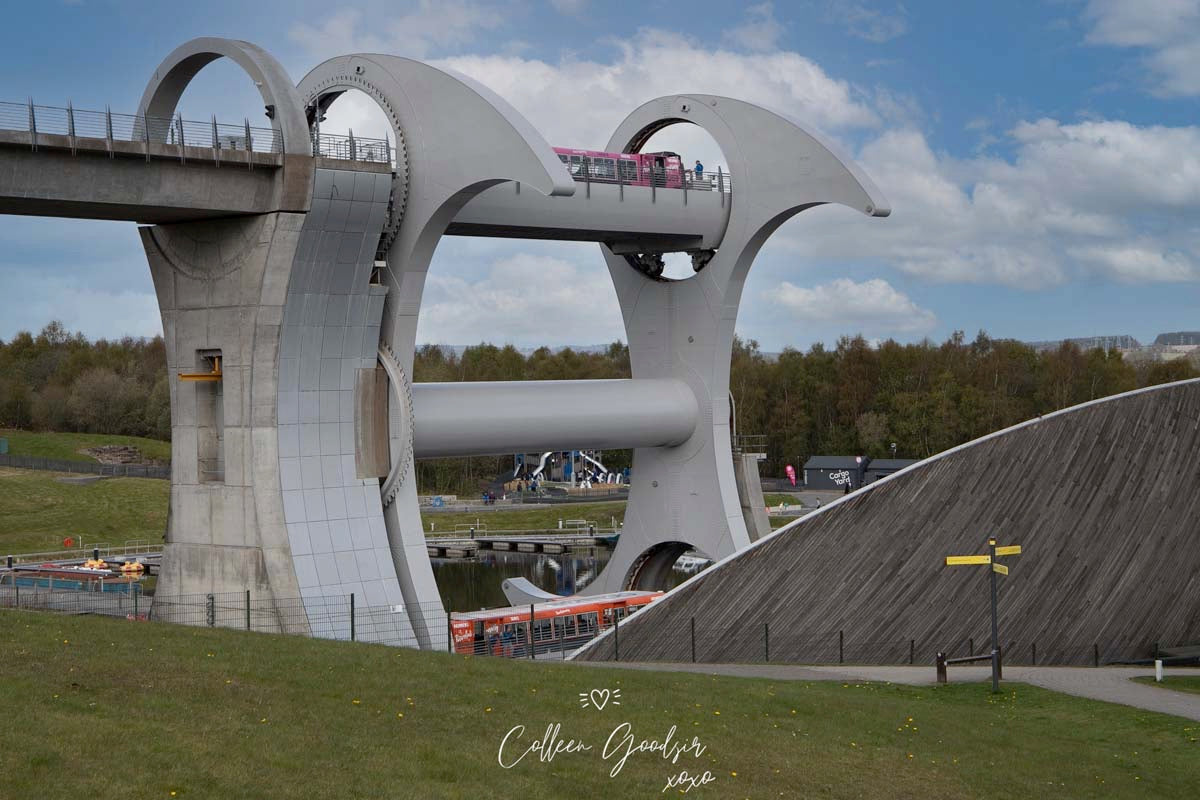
{"x": 1042, "y": 159}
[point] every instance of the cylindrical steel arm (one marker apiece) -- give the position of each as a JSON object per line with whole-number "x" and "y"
{"x": 458, "y": 419}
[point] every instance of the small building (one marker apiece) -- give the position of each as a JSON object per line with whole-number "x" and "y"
{"x": 834, "y": 473}
{"x": 882, "y": 467}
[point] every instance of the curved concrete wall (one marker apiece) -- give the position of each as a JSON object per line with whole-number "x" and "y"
{"x": 1103, "y": 498}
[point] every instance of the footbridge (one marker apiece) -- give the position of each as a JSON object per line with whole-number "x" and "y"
{"x": 290, "y": 265}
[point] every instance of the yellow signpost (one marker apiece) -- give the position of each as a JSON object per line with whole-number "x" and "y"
{"x": 955, "y": 561}
{"x": 997, "y": 569}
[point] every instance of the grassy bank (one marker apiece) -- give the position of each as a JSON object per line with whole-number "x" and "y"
{"x": 526, "y": 517}
{"x": 197, "y": 712}
{"x": 1179, "y": 683}
{"x": 37, "y": 512}
{"x": 66, "y": 446}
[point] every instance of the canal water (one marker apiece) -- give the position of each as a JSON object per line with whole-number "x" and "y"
{"x": 474, "y": 583}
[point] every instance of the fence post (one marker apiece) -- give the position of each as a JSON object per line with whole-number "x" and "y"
{"x": 71, "y": 126}
{"x": 562, "y": 642}
{"x": 1035, "y": 654}
{"x": 693, "y": 627}
{"x": 841, "y": 647}
{"x": 616, "y": 638}
{"x": 210, "y": 611}
{"x": 1096, "y": 654}
{"x": 767, "y": 641}
{"x": 249, "y": 145}
{"x": 971, "y": 646}
{"x": 247, "y": 609}
{"x": 33, "y": 137}
{"x": 531, "y": 653}
{"x": 1000, "y": 662}
{"x": 940, "y": 664}
{"x": 108, "y": 132}
{"x": 136, "y": 592}
{"x": 912, "y": 651}
{"x": 352, "y": 616}
{"x": 449, "y": 635}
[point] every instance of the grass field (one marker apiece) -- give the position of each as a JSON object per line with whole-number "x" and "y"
{"x": 526, "y": 517}
{"x": 37, "y": 512}
{"x": 115, "y": 709}
{"x": 1179, "y": 683}
{"x": 66, "y": 446}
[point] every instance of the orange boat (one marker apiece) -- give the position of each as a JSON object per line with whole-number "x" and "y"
{"x": 556, "y": 624}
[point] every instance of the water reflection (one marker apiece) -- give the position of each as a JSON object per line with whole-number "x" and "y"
{"x": 474, "y": 583}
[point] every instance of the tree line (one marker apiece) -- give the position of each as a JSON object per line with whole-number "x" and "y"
{"x": 851, "y": 399}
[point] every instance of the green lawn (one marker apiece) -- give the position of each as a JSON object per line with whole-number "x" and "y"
{"x": 1180, "y": 683}
{"x": 66, "y": 446}
{"x": 37, "y": 512}
{"x": 775, "y": 499}
{"x": 117, "y": 709}
{"x": 526, "y": 517}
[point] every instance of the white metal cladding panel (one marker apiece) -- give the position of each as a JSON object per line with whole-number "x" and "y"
{"x": 330, "y": 330}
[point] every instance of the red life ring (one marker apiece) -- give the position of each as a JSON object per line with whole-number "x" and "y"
{"x": 68, "y": 542}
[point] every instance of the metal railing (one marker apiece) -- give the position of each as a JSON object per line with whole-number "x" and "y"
{"x": 106, "y": 126}
{"x": 132, "y": 547}
{"x": 352, "y": 148}
{"x": 606, "y": 170}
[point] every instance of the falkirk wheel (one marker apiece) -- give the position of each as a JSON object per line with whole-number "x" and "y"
{"x": 293, "y": 474}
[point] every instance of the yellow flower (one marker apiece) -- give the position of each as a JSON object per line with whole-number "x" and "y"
{"x": 488, "y": 709}
{"x": 356, "y": 702}
{"x": 734, "y": 774}
{"x": 400, "y": 714}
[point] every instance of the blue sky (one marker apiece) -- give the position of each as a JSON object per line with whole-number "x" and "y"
{"x": 1042, "y": 158}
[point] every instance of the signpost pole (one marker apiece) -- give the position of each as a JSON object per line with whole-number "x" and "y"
{"x": 995, "y": 624}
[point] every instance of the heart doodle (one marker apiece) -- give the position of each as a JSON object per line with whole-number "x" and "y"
{"x": 599, "y": 698}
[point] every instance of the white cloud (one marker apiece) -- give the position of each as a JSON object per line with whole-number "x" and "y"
{"x": 524, "y": 299}
{"x": 868, "y": 23}
{"x": 873, "y": 307}
{"x": 1168, "y": 30}
{"x": 1133, "y": 264}
{"x": 760, "y": 31}
{"x": 582, "y": 101}
{"x": 1043, "y": 218}
{"x": 432, "y": 25}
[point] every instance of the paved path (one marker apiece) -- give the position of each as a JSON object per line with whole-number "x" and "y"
{"x": 1110, "y": 684}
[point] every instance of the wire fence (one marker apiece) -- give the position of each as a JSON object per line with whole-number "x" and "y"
{"x": 345, "y": 617}
{"x": 768, "y": 642}
{"x": 330, "y": 617}
{"x": 86, "y": 467}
